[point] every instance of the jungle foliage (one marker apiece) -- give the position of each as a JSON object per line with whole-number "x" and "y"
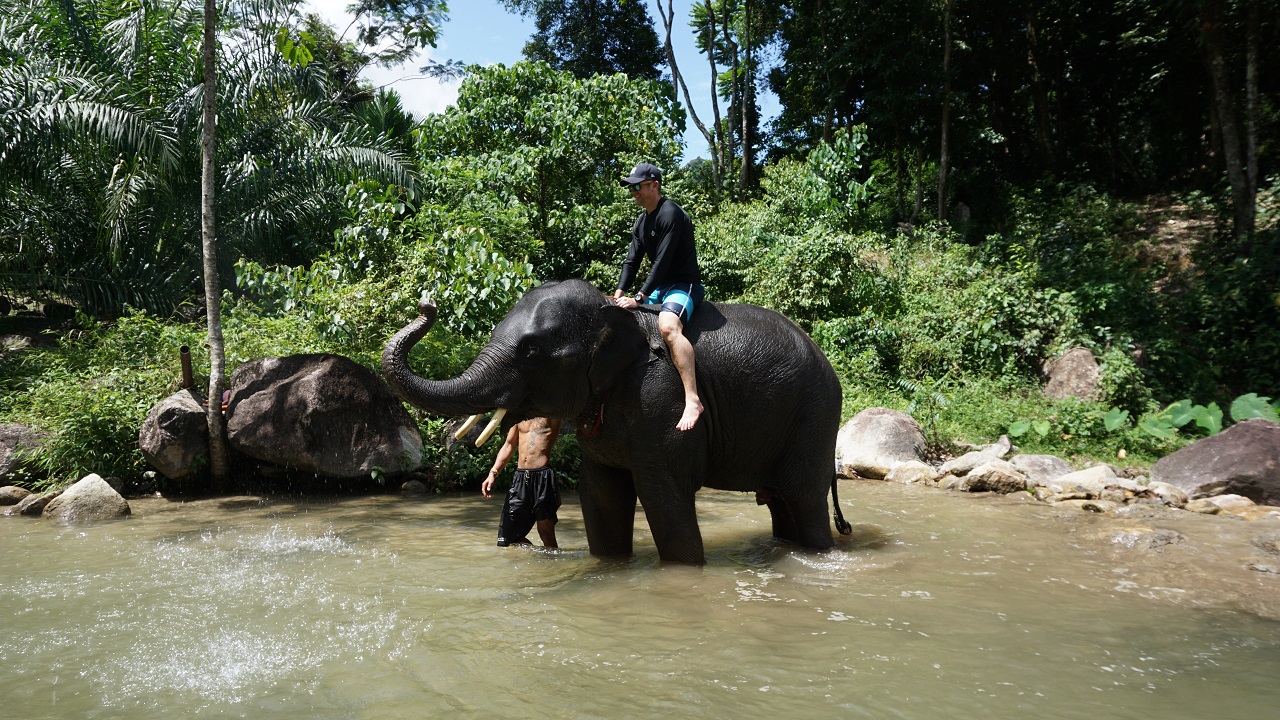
{"x": 342, "y": 211}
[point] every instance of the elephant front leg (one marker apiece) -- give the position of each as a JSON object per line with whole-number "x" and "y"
{"x": 673, "y": 521}
{"x": 608, "y": 497}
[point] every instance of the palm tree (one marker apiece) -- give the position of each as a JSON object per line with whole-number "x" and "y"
{"x": 100, "y": 149}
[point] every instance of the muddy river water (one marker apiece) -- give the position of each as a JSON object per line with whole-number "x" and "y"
{"x": 939, "y": 605}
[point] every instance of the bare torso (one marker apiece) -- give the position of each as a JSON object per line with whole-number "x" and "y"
{"x": 537, "y": 436}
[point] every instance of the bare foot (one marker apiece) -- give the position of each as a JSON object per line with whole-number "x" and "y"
{"x": 692, "y": 411}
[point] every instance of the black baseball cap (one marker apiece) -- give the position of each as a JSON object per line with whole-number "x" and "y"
{"x": 642, "y": 172}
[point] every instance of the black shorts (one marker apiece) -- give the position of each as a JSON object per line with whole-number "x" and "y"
{"x": 533, "y": 496}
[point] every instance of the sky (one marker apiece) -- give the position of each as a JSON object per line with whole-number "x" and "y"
{"x": 483, "y": 32}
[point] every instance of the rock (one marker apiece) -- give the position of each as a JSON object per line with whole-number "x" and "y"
{"x": 1113, "y": 495}
{"x": 1244, "y": 460}
{"x": 321, "y": 414}
{"x": 970, "y": 460}
{"x": 1091, "y": 480}
{"x": 951, "y": 482}
{"x": 1228, "y": 502}
{"x": 1099, "y": 506}
{"x": 1263, "y": 567}
{"x": 998, "y": 477}
{"x": 1068, "y": 496}
{"x": 15, "y": 342}
{"x": 175, "y": 436}
{"x": 1144, "y": 538}
{"x": 414, "y": 487}
{"x": 1073, "y": 374}
{"x": 468, "y": 439}
{"x": 1041, "y": 469}
{"x": 1170, "y": 494}
{"x": 1041, "y": 493}
{"x": 18, "y": 446}
{"x": 34, "y": 504}
{"x": 1201, "y": 505}
{"x": 88, "y": 500}
{"x": 12, "y": 495}
{"x": 1146, "y": 509}
{"x": 876, "y": 441}
{"x": 57, "y": 312}
{"x": 1268, "y": 542}
{"x": 913, "y": 472}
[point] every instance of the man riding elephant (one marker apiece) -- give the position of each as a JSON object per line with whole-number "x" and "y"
{"x": 664, "y": 233}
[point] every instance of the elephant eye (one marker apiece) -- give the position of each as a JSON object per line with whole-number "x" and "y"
{"x": 531, "y": 350}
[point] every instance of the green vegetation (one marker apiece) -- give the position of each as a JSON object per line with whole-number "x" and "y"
{"x": 341, "y": 212}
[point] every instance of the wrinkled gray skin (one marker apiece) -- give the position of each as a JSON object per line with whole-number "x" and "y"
{"x": 772, "y": 410}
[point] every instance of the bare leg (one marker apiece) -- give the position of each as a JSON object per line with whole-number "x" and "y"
{"x": 682, "y": 355}
{"x": 547, "y": 531}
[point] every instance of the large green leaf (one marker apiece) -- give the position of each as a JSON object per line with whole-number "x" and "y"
{"x": 1249, "y": 406}
{"x": 1210, "y": 418}
{"x": 1157, "y": 427}
{"x": 1114, "y": 418}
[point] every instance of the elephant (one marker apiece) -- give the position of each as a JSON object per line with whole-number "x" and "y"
{"x": 772, "y": 410}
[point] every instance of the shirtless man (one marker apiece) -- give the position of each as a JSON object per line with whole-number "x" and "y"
{"x": 533, "y": 496}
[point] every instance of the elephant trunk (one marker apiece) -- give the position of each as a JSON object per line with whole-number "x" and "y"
{"x": 481, "y": 388}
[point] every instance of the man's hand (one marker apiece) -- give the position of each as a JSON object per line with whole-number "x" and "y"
{"x": 487, "y": 485}
{"x": 626, "y": 302}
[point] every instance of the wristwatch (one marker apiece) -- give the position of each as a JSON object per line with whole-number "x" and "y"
{"x": 640, "y": 298}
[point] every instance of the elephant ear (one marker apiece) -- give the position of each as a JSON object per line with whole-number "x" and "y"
{"x": 620, "y": 343}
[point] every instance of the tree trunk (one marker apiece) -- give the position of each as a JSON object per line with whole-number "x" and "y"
{"x": 919, "y": 206}
{"x": 748, "y": 103}
{"x": 1251, "y": 100}
{"x": 946, "y": 113}
{"x": 899, "y": 167}
{"x": 735, "y": 91}
{"x": 720, "y": 143}
{"x": 1233, "y": 155}
{"x": 667, "y": 18}
{"x": 212, "y": 287}
{"x": 1044, "y": 134}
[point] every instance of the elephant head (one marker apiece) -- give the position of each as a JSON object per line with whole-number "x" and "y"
{"x": 561, "y": 346}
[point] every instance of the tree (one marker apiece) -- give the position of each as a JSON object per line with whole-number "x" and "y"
{"x": 592, "y": 37}
{"x": 218, "y": 460}
{"x": 1235, "y": 121}
{"x": 533, "y": 156}
{"x": 712, "y": 135}
{"x": 100, "y": 148}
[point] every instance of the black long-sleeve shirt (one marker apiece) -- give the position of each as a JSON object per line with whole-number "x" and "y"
{"x": 666, "y": 237}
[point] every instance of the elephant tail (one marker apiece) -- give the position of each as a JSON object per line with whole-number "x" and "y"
{"x": 841, "y": 524}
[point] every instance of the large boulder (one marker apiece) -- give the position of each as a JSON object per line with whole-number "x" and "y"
{"x": 1073, "y": 374}
{"x": 1243, "y": 460}
{"x": 18, "y": 445}
{"x": 321, "y": 414}
{"x": 175, "y": 436}
{"x": 90, "y": 499}
{"x": 876, "y": 441}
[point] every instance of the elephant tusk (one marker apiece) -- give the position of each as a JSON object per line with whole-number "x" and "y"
{"x": 492, "y": 426}
{"x": 466, "y": 426}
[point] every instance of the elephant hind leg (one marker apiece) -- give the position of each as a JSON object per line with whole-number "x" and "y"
{"x": 801, "y": 520}
{"x": 608, "y": 497}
